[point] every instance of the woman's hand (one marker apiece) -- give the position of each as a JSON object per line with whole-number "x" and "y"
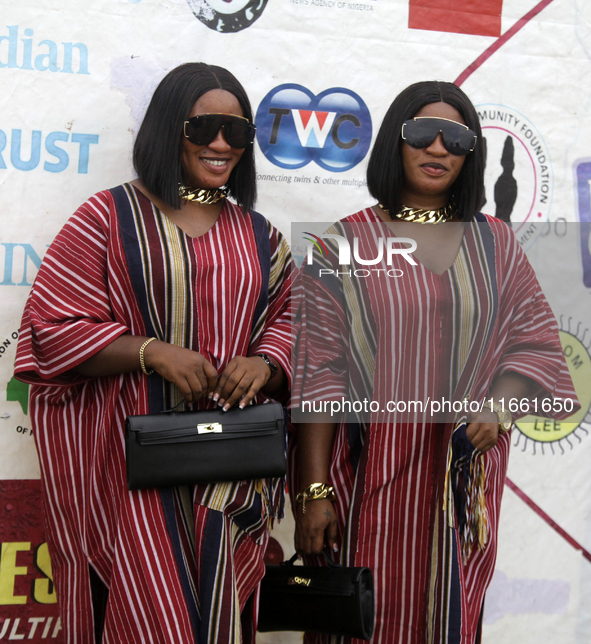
{"x": 319, "y": 524}
{"x": 194, "y": 376}
{"x": 315, "y": 528}
{"x": 240, "y": 381}
{"x": 483, "y": 430}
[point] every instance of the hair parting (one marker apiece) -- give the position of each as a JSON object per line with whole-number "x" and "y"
{"x": 385, "y": 171}
{"x": 158, "y": 146}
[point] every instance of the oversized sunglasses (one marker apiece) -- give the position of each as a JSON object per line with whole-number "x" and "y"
{"x": 421, "y": 131}
{"x": 202, "y": 129}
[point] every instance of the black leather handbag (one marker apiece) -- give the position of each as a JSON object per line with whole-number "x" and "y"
{"x": 209, "y": 446}
{"x": 333, "y": 599}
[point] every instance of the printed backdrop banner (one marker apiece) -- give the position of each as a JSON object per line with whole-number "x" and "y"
{"x": 76, "y": 78}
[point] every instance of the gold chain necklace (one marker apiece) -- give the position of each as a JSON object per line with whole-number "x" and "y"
{"x": 421, "y": 216}
{"x": 205, "y": 196}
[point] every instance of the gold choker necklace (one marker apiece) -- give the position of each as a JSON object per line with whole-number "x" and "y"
{"x": 421, "y": 216}
{"x": 205, "y": 196}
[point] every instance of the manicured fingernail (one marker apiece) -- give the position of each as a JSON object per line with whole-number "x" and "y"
{"x": 216, "y": 396}
{"x": 335, "y": 547}
{"x": 226, "y": 407}
{"x": 241, "y": 406}
{"x": 210, "y": 395}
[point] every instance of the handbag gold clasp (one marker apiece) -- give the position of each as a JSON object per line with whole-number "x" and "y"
{"x": 298, "y": 581}
{"x": 209, "y": 428}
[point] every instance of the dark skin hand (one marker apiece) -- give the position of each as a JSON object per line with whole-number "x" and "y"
{"x": 319, "y": 525}
{"x": 483, "y": 430}
{"x": 240, "y": 381}
{"x": 195, "y": 377}
{"x": 315, "y": 528}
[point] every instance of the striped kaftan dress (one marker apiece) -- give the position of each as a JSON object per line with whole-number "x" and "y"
{"x": 180, "y": 564}
{"x": 415, "y": 335}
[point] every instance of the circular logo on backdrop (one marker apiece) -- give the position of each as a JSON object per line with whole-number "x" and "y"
{"x": 227, "y": 15}
{"x": 519, "y": 178}
{"x": 294, "y": 127}
{"x": 547, "y": 430}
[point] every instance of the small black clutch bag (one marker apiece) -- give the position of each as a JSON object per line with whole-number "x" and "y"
{"x": 336, "y": 600}
{"x": 209, "y": 446}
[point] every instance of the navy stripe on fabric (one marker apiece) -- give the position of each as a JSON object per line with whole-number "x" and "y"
{"x": 261, "y": 235}
{"x": 250, "y": 515}
{"x": 133, "y": 257}
{"x": 454, "y": 634}
{"x": 213, "y": 536}
{"x": 167, "y": 499}
{"x": 489, "y": 246}
{"x": 355, "y": 431}
{"x": 488, "y": 242}
{"x": 132, "y": 251}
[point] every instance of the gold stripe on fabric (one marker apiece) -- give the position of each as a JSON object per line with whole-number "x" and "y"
{"x": 432, "y": 601}
{"x": 219, "y": 495}
{"x": 489, "y": 281}
{"x": 217, "y": 595}
{"x": 446, "y": 582}
{"x": 258, "y": 328}
{"x": 467, "y": 307}
{"x": 465, "y": 353}
{"x": 178, "y": 293}
{"x": 278, "y": 262}
{"x": 359, "y": 326}
{"x": 363, "y": 345}
{"x": 177, "y": 281}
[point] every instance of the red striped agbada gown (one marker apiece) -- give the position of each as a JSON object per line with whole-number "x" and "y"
{"x": 180, "y": 564}
{"x": 417, "y": 337}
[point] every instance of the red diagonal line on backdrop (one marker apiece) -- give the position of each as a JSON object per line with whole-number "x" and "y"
{"x": 538, "y": 510}
{"x": 459, "y": 80}
{"x": 501, "y": 41}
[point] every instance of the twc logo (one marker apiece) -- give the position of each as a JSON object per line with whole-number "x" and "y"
{"x": 295, "y": 127}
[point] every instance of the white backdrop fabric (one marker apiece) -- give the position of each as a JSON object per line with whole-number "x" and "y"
{"x": 76, "y": 78}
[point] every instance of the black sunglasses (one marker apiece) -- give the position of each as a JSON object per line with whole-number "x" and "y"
{"x": 202, "y": 129}
{"x": 421, "y": 131}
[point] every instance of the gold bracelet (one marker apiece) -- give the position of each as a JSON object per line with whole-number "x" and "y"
{"x": 142, "y": 363}
{"x": 315, "y": 492}
{"x": 504, "y": 418}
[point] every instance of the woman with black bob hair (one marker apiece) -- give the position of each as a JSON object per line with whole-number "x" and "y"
{"x": 157, "y": 149}
{"x": 159, "y": 291}
{"x": 433, "y": 339}
{"x": 385, "y": 174}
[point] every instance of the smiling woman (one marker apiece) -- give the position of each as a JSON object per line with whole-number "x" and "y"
{"x": 208, "y": 164}
{"x": 159, "y": 291}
